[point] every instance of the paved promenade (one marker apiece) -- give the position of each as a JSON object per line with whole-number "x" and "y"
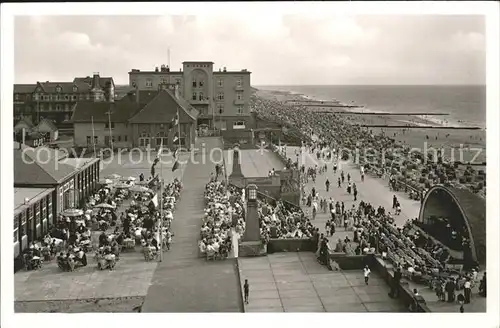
{"x": 254, "y": 162}
{"x": 296, "y": 282}
{"x": 183, "y": 282}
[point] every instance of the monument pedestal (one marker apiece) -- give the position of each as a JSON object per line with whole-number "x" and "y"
{"x": 251, "y": 248}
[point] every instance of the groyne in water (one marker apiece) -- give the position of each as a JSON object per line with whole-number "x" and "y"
{"x": 385, "y": 114}
{"x": 421, "y": 127}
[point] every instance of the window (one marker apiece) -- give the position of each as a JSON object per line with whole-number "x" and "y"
{"x": 41, "y": 107}
{"x": 163, "y": 81}
{"x": 75, "y": 88}
{"x": 66, "y": 107}
{"x": 220, "y": 96}
{"x": 23, "y": 223}
{"x": 194, "y": 83}
{"x": 66, "y": 97}
{"x": 194, "y": 96}
{"x": 239, "y": 95}
{"x": 58, "y": 107}
{"x": 125, "y": 138}
{"x": 36, "y": 96}
{"x": 119, "y": 138}
{"x": 239, "y": 83}
{"x": 37, "y": 215}
{"x": 81, "y": 97}
{"x": 239, "y": 109}
{"x": 149, "y": 83}
{"x": 73, "y": 97}
{"x": 220, "y": 108}
{"x": 238, "y": 125}
{"x": 200, "y": 96}
{"x": 56, "y": 97}
{"x": 16, "y": 96}
{"x": 220, "y": 82}
{"x": 177, "y": 81}
{"x": 200, "y": 83}
{"x": 112, "y": 138}
{"x": 96, "y": 139}
{"x": 58, "y": 89}
{"x": 106, "y": 125}
{"x": 43, "y": 209}
{"x": 16, "y": 228}
{"x": 88, "y": 140}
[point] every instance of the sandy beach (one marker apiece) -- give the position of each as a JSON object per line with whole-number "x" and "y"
{"x": 458, "y": 145}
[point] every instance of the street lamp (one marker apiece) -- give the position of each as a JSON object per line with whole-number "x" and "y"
{"x": 252, "y": 192}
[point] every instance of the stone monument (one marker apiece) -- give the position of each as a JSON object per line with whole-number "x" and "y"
{"x": 251, "y": 243}
{"x": 236, "y": 178}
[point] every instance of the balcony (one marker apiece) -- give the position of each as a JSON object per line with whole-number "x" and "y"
{"x": 239, "y": 102}
{"x": 198, "y": 101}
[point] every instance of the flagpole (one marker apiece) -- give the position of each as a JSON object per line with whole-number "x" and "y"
{"x": 93, "y": 135}
{"x": 161, "y": 204}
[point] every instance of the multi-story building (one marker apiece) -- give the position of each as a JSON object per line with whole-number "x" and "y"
{"x": 56, "y": 100}
{"x": 221, "y": 97}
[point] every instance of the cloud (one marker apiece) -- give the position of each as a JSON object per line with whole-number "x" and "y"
{"x": 279, "y": 49}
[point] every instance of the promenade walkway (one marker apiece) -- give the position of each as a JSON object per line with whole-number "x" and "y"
{"x": 375, "y": 191}
{"x": 183, "y": 282}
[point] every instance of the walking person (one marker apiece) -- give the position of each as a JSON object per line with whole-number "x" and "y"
{"x": 246, "y": 290}
{"x": 395, "y": 283}
{"x": 362, "y": 173}
{"x": 355, "y": 192}
{"x": 467, "y": 291}
{"x": 342, "y": 176}
{"x": 339, "y": 183}
{"x": 327, "y": 185}
{"x": 366, "y": 273}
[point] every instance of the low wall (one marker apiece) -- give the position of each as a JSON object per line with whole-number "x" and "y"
{"x": 289, "y": 245}
{"x": 350, "y": 262}
{"x": 291, "y": 197}
{"x": 405, "y": 292}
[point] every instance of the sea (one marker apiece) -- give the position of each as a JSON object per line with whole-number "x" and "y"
{"x": 465, "y": 104}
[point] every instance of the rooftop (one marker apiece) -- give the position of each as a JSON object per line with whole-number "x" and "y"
{"x": 29, "y": 194}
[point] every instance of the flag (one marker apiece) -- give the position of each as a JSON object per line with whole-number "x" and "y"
{"x": 175, "y": 120}
{"x": 176, "y": 164}
{"x": 160, "y": 150}
{"x": 153, "y": 170}
{"x": 175, "y": 138}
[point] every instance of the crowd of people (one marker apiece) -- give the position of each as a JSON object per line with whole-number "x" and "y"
{"x": 99, "y": 228}
{"x": 411, "y": 169}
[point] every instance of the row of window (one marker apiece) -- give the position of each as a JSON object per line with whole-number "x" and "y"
{"x": 42, "y": 108}
{"x": 107, "y": 139}
{"x": 30, "y": 218}
{"x": 220, "y": 109}
{"x": 39, "y": 97}
{"x": 195, "y": 83}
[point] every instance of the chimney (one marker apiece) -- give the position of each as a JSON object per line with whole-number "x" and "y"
{"x": 156, "y": 69}
{"x": 224, "y": 70}
{"x": 95, "y": 81}
{"x": 168, "y": 69}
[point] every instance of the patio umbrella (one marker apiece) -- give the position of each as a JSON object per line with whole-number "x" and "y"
{"x": 105, "y": 181}
{"x": 139, "y": 189}
{"x": 72, "y": 212}
{"x": 104, "y": 205}
{"x": 131, "y": 179}
{"x": 114, "y": 176}
{"x": 122, "y": 186}
{"x": 142, "y": 183}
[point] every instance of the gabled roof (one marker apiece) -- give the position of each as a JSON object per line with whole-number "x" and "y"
{"x": 49, "y": 123}
{"x": 26, "y": 120}
{"x": 87, "y": 81}
{"x": 35, "y": 167}
{"x": 24, "y": 88}
{"x": 163, "y": 108}
{"x": 121, "y": 111}
{"x": 50, "y": 87}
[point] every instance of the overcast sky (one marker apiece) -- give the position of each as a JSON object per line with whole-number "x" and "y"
{"x": 278, "y": 50}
